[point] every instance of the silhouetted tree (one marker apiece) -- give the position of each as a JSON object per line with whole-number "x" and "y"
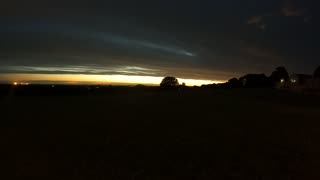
{"x": 280, "y": 74}
{"x": 316, "y": 79}
{"x": 234, "y": 83}
{"x": 183, "y": 84}
{"x": 316, "y": 73}
{"x": 255, "y": 80}
{"x": 169, "y": 82}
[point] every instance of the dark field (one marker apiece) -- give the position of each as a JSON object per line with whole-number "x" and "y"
{"x": 152, "y": 134}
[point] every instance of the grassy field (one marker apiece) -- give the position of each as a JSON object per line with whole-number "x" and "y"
{"x": 147, "y": 134}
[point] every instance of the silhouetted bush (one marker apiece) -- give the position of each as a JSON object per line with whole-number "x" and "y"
{"x": 255, "y": 80}
{"x": 209, "y": 86}
{"x": 140, "y": 86}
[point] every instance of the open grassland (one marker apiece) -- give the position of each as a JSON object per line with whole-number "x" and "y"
{"x": 152, "y": 134}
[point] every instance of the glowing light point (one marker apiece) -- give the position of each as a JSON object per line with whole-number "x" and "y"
{"x": 15, "y": 83}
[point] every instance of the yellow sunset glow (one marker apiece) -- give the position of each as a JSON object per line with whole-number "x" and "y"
{"x": 98, "y": 79}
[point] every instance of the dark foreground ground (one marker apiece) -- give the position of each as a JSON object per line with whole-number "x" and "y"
{"x": 151, "y": 134}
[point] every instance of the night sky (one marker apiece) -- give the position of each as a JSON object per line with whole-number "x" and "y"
{"x": 196, "y": 39}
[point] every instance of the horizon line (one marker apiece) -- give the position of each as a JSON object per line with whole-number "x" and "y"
{"x": 72, "y": 79}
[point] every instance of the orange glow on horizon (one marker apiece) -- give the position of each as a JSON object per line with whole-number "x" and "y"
{"x": 97, "y": 79}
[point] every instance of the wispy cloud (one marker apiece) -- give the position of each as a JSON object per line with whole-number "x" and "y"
{"x": 258, "y": 21}
{"x": 255, "y": 20}
{"x": 291, "y": 9}
{"x": 120, "y": 70}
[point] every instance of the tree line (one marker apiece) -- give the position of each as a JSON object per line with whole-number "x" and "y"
{"x": 278, "y": 76}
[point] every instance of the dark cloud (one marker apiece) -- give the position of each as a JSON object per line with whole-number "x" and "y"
{"x": 289, "y": 8}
